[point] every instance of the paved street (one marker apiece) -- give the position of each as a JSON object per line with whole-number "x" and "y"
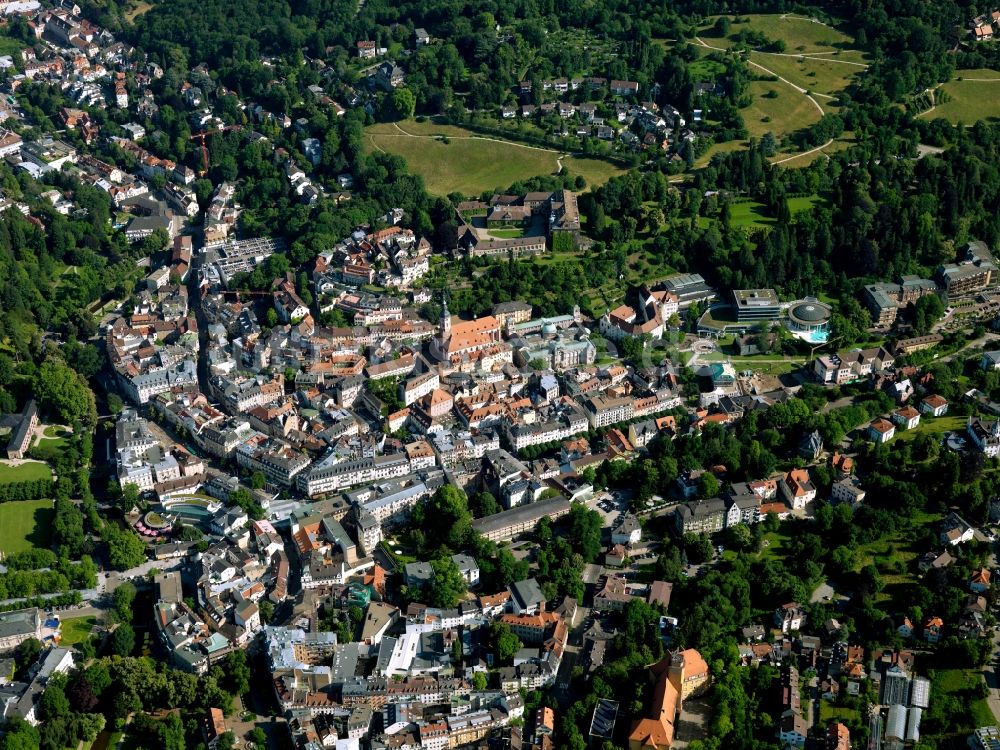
{"x": 990, "y": 670}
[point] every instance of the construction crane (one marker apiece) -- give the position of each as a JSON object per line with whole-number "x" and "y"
{"x": 202, "y": 136}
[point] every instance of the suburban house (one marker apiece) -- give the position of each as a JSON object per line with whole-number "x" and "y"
{"x": 907, "y": 417}
{"x": 990, "y": 360}
{"x": 934, "y": 405}
{"x": 955, "y": 530}
{"x": 984, "y": 435}
{"x": 627, "y": 531}
{"x": 811, "y": 445}
{"x": 935, "y": 560}
{"x": 980, "y": 581}
{"x": 789, "y": 617}
{"x": 847, "y": 490}
{"x": 881, "y": 431}
{"x": 905, "y": 629}
{"x": 797, "y": 488}
{"x": 526, "y": 597}
{"x": 932, "y": 629}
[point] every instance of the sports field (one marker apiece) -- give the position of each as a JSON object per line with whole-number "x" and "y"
{"x": 972, "y": 95}
{"x": 25, "y": 524}
{"x": 471, "y": 164}
{"x": 26, "y": 472}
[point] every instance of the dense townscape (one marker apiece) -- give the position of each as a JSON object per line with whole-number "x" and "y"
{"x": 425, "y": 375}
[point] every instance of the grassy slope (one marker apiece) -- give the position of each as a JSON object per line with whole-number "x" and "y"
{"x": 799, "y": 34}
{"x": 784, "y": 114}
{"x": 971, "y": 99}
{"x": 471, "y": 164}
{"x": 818, "y": 75}
{"x": 825, "y": 73}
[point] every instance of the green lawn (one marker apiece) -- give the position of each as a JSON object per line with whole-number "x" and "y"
{"x": 975, "y": 97}
{"x": 56, "y": 431}
{"x": 934, "y": 426}
{"x": 10, "y": 46}
{"x": 25, "y": 524}
{"x": 772, "y": 545}
{"x": 506, "y": 234}
{"x": 27, "y": 472}
{"x": 829, "y": 712}
{"x": 777, "y": 108}
{"x": 961, "y": 684}
{"x": 803, "y": 203}
{"x": 595, "y": 171}
{"x": 767, "y": 364}
{"x": 76, "y": 630}
{"x": 470, "y": 163}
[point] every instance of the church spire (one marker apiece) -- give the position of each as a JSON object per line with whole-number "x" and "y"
{"x": 444, "y": 326}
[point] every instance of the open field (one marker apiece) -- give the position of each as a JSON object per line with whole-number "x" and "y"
{"x": 26, "y": 472}
{"x": 76, "y": 630}
{"x": 471, "y": 164}
{"x": 777, "y": 108}
{"x": 25, "y": 524}
{"x": 975, "y": 95}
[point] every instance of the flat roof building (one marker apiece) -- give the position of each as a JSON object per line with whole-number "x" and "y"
{"x": 756, "y": 304}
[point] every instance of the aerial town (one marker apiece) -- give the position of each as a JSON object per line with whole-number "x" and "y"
{"x": 303, "y": 452}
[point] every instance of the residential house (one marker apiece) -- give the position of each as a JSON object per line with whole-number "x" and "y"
{"x": 811, "y": 445}
{"x": 980, "y": 581}
{"x": 627, "y": 531}
{"x": 701, "y": 517}
{"x": 907, "y": 417}
{"x": 881, "y": 431}
{"x": 789, "y": 617}
{"x": 847, "y": 490}
{"x": 934, "y": 405}
{"x": 985, "y": 435}
{"x": 955, "y": 530}
{"x": 797, "y": 488}
{"x": 933, "y": 628}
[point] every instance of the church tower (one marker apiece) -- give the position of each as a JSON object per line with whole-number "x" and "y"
{"x": 444, "y": 326}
